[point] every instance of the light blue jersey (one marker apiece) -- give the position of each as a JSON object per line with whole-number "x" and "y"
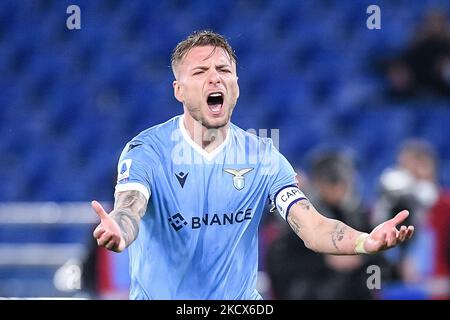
{"x": 199, "y": 236}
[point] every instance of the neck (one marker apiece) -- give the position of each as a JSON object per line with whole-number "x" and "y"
{"x": 207, "y": 138}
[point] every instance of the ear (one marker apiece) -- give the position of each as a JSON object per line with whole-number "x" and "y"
{"x": 237, "y": 85}
{"x": 178, "y": 91}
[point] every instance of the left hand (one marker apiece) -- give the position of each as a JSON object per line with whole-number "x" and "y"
{"x": 386, "y": 235}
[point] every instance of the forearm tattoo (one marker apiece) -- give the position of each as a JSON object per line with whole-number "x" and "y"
{"x": 294, "y": 225}
{"x": 129, "y": 208}
{"x": 338, "y": 233}
{"x": 305, "y": 205}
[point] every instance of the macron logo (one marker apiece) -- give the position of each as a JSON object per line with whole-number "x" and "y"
{"x": 181, "y": 177}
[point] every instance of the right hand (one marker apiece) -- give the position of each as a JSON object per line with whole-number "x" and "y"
{"x": 107, "y": 233}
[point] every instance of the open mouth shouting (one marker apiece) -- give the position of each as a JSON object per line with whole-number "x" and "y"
{"x": 215, "y": 102}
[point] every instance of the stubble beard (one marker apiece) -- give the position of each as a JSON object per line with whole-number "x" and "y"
{"x": 197, "y": 115}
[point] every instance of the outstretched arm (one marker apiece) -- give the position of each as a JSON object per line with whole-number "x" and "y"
{"x": 332, "y": 236}
{"x": 120, "y": 228}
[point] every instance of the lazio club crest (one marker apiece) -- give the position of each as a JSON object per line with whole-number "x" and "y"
{"x": 238, "y": 177}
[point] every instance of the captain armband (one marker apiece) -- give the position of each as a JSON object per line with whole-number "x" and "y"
{"x": 285, "y": 199}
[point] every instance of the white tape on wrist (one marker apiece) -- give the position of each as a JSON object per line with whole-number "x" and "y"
{"x": 359, "y": 245}
{"x": 286, "y": 197}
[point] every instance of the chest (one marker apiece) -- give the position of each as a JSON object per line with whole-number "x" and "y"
{"x": 212, "y": 185}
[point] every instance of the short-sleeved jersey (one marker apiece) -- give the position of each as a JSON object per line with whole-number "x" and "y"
{"x": 199, "y": 236}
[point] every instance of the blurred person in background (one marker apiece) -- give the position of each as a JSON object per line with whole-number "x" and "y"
{"x": 423, "y": 67}
{"x": 412, "y": 184}
{"x": 306, "y": 275}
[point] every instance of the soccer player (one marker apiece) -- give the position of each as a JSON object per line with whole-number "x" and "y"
{"x": 191, "y": 191}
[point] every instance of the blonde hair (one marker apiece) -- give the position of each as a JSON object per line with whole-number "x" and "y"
{"x": 200, "y": 39}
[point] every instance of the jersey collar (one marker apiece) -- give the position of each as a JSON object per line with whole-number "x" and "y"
{"x": 208, "y": 155}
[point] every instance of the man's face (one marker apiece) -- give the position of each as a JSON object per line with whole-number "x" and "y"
{"x": 206, "y": 84}
{"x": 421, "y": 166}
{"x": 332, "y": 193}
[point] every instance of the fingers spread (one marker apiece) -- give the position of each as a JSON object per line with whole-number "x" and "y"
{"x": 104, "y": 239}
{"x": 384, "y": 241}
{"x": 392, "y": 237}
{"x": 402, "y": 234}
{"x": 409, "y": 232}
{"x": 98, "y": 231}
{"x": 99, "y": 209}
{"x": 110, "y": 245}
{"x": 400, "y": 217}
